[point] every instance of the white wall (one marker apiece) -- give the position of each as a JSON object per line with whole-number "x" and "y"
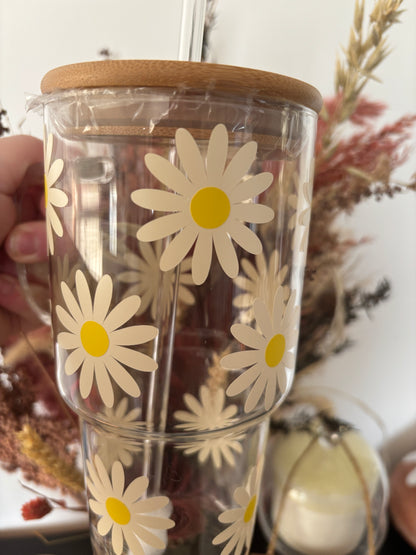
{"x": 299, "y": 38}
{"x": 38, "y": 36}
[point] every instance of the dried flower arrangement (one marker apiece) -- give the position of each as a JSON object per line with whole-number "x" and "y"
{"x": 355, "y": 161}
{"x": 348, "y": 171}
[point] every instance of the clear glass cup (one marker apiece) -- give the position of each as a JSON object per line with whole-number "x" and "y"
{"x": 181, "y": 493}
{"x": 178, "y": 198}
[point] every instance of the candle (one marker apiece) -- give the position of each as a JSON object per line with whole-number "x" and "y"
{"x": 323, "y": 512}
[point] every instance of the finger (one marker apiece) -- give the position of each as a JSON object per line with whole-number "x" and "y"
{"x": 15, "y": 313}
{"x": 17, "y": 154}
{"x": 26, "y": 243}
{"x": 8, "y": 215}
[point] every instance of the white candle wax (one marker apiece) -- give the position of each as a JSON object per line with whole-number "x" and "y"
{"x": 324, "y": 511}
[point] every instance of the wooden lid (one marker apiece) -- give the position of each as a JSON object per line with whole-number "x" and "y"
{"x": 173, "y": 74}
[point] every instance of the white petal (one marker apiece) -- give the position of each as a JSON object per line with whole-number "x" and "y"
{"x": 105, "y": 389}
{"x": 104, "y": 525}
{"x": 86, "y": 378}
{"x": 67, "y": 321}
{"x": 74, "y": 361}
{"x": 117, "y": 539}
{"x": 226, "y": 254}
{"x": 191, "y": 158}
{"x": 243, "y": 381}
{"x": 255, "y": 393}
{"x": 133, "y": 542}
{"x": 263, "y": 318}
{"x": 168, "y": 174}
{"x": 68, "y": 340}
{"x": 71, "y": 303}
{"x": 84, "y": 295}
{"x": 216, "y": 155}
{"x": 271, "y": 391}
{"x": 240, "y": 359}
{"x": 136, "y": 489}
{"x": 134, "y": 359}
{"x": 178, "y": 248}
{"x": 54, "y": 221}
{"x": 202, "y": 258}
{"x": 54, "y": 172}
{"x": 123, "y": 379}
{"x": 102, "y": 474}
{"x": 163, "y": 226}
{"x": 121, "y": 313}
{"x": 248, "y": 336}
{"x": 117, "y": 479}
{"x": 244, "y": 237}
{"x": 154, "y": 199}
{"x": 253, "y": 213}
{"x": 102, "y": 298}
{"x": 251, "y": 187}
{"x": 56, "y": 197}
{"x": 239, "y": 165}
{"x": 134, "y": 335}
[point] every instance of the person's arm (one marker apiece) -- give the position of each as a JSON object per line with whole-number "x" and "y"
{"x": 21, "y": 160}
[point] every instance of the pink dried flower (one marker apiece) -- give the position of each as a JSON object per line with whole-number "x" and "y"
{"x": 36, "y": 508}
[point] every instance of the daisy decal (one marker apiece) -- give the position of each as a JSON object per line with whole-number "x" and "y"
{"x": 208, "y": 206}
{"x": 97, "y": 340}
{"x": 133, "y": 518}
{"x": 208, "y": 413}
{"x": 271, "y": 354}
{"x": 156, "y": 288}
{"x": 260, "y": 281}
{"x": 111, "y": 447}
{"x": 303, "y": 202}
{"x": 241, "y": 520}
{"x": 53, "y": 197}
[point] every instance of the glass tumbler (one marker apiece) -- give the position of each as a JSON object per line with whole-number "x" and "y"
{"x": 178, "y": 197}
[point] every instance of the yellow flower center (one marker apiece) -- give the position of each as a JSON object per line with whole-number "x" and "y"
{"x": 275, "y": 350}
{"x": 94, "y": 338}
{"x": 210, "y": 207}
{"x": 251, "y": 507}
{"x": 117, "y": 511}
{"x": 46, "y": 190}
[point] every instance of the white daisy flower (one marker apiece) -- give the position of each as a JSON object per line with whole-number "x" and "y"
{"x": 97, "y": 340}
{"x": 270, "y": 358}
{"x": 302, "y": 202}
{"x": 111, "y": 447}
{"x": 241, "y": 520}
{"x": 208, "y": 205}
{"x": 131, "y": 517}
{"x": 261, "y": 281}
{"x": 53, "y": 197}
{"x": 155, "y": 288}
{"x": 209, "y": 414}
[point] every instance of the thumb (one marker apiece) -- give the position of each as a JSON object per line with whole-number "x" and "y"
{"x": 26, "y": 243}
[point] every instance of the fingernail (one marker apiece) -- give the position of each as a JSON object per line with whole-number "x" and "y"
{"x": 23, "y": 243}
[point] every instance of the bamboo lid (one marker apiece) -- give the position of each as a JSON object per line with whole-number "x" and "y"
{"x": 173, "y": 74}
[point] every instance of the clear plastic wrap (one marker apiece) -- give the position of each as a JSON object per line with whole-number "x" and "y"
{"x": 177, "y": 218}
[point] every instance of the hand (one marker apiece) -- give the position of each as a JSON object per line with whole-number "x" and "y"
{"x": 21, "y": 169}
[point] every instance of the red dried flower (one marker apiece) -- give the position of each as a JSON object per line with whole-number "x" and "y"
{"x": 36, "y": 508}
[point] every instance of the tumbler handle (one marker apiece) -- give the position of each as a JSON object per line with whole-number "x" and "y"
{"x": 22, "y": 275}
{"x": 28, "y": 199}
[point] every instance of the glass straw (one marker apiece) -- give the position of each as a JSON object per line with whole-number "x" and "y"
{"x": 192, "y": 30}
{"x": 190, "y": 49}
